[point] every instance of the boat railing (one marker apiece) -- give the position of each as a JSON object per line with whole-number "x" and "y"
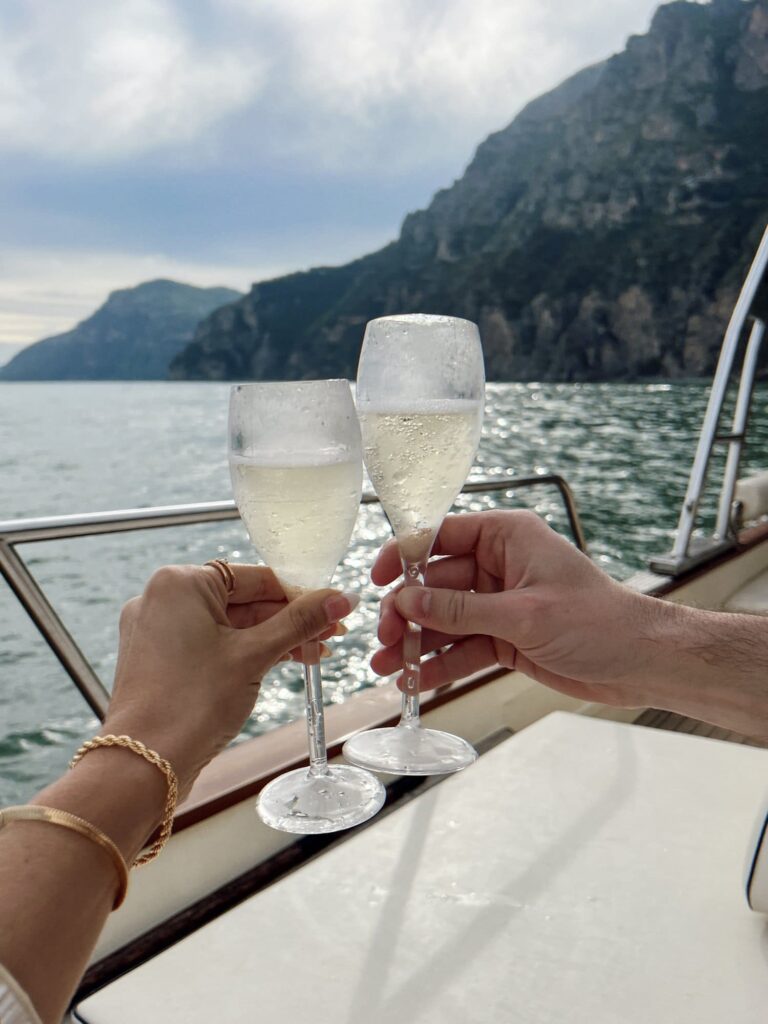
{"x": 688, "y": 550}
{"x": 49, "y": 624}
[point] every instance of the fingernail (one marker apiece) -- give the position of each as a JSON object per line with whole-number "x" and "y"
{"x": 339, "y": 605}
{"x": 413, "y": 601}
{"x": 286, "y": 657}
{"x": 325, "y": 651}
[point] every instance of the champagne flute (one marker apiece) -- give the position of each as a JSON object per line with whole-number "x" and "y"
{"x": 420, "y": 392}
{"x": 296, "y": 467}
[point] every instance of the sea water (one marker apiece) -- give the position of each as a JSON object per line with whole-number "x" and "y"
{"x": 625, "y": 449}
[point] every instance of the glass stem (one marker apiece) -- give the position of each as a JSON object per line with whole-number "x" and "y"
{"x": 313, "y": 691}
{"x": 413, "y": 575}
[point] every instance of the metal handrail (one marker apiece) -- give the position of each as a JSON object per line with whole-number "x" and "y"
{"x": 31, "y": 596}
{"x": 682, "y": 558}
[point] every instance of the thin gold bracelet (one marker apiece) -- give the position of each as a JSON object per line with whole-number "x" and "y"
{"x": 154, "y": 758}
{"x": 53, "y": 816}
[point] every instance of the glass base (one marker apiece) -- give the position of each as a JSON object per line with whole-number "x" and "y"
{"x": 409, "y": 750}
{"x": 314, "y": 804}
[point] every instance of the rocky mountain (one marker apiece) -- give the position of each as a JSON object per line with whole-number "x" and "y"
{"x": 603, "y": 234}
{"x": 133, "y": 336}
{"x": 8, "y": 351}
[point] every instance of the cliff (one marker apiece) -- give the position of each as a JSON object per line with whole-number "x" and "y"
{"x": 133, "y": 336}
{"x": 602, "y": 235}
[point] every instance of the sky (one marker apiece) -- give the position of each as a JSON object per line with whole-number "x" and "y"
{"x": 228, "y": 141}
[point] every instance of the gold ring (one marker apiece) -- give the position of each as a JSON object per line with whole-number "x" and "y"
{"x": 224, "y": 570}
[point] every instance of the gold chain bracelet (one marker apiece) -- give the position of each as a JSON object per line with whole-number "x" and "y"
{"x": 154, "y": 758}
{"x": 53, "y": 816}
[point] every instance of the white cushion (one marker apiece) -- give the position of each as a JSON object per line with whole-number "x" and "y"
{"x": 752, "y": 598}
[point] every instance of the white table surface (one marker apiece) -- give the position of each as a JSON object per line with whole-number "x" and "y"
{"x": 581, "y": 871}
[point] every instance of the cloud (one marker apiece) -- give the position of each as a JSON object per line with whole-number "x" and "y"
{"x": 394, "y": 84}
{"x": 376, "y": 84}
{"x": 91, "y": 80}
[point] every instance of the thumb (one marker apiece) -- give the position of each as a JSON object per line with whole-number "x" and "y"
{"x": 459, "y": 612}
{"x": 303, "y": 619}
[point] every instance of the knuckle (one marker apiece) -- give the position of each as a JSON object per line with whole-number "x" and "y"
{"x": 496, "y": 516}
{"x": 529, "y": 609}
{"x": 303, "y": 619}
{"x": 163, "y": 580}
{"x": 516, "y": 525}
{"x": 129, "y": 612}
{"x": 455, "y": 607}
{"x": 528, "y": 519}
{"x": 499, "y": 524}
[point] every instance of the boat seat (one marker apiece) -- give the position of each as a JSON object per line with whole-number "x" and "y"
{"x": 583, "y": 871}
{"x": 752, "y": 598}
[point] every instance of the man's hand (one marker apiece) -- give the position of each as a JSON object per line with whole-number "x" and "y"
{"x": 510, "y": 591}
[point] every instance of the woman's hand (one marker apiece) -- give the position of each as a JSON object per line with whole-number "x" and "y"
{"x": 191, "y": 656}
{"x": 512, "y": 592}
{"x": 190, "y": 661}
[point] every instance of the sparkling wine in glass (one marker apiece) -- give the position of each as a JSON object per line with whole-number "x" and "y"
{"x": 420, "y": 394}
{"x": 296, "y": 467}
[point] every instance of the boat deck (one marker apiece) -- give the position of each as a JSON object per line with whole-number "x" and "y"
{"x": 582, "y": 870}
{"x": 672, "y": 722}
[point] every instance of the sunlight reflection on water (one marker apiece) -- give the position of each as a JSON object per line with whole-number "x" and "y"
{"x": 625, "y": 449}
